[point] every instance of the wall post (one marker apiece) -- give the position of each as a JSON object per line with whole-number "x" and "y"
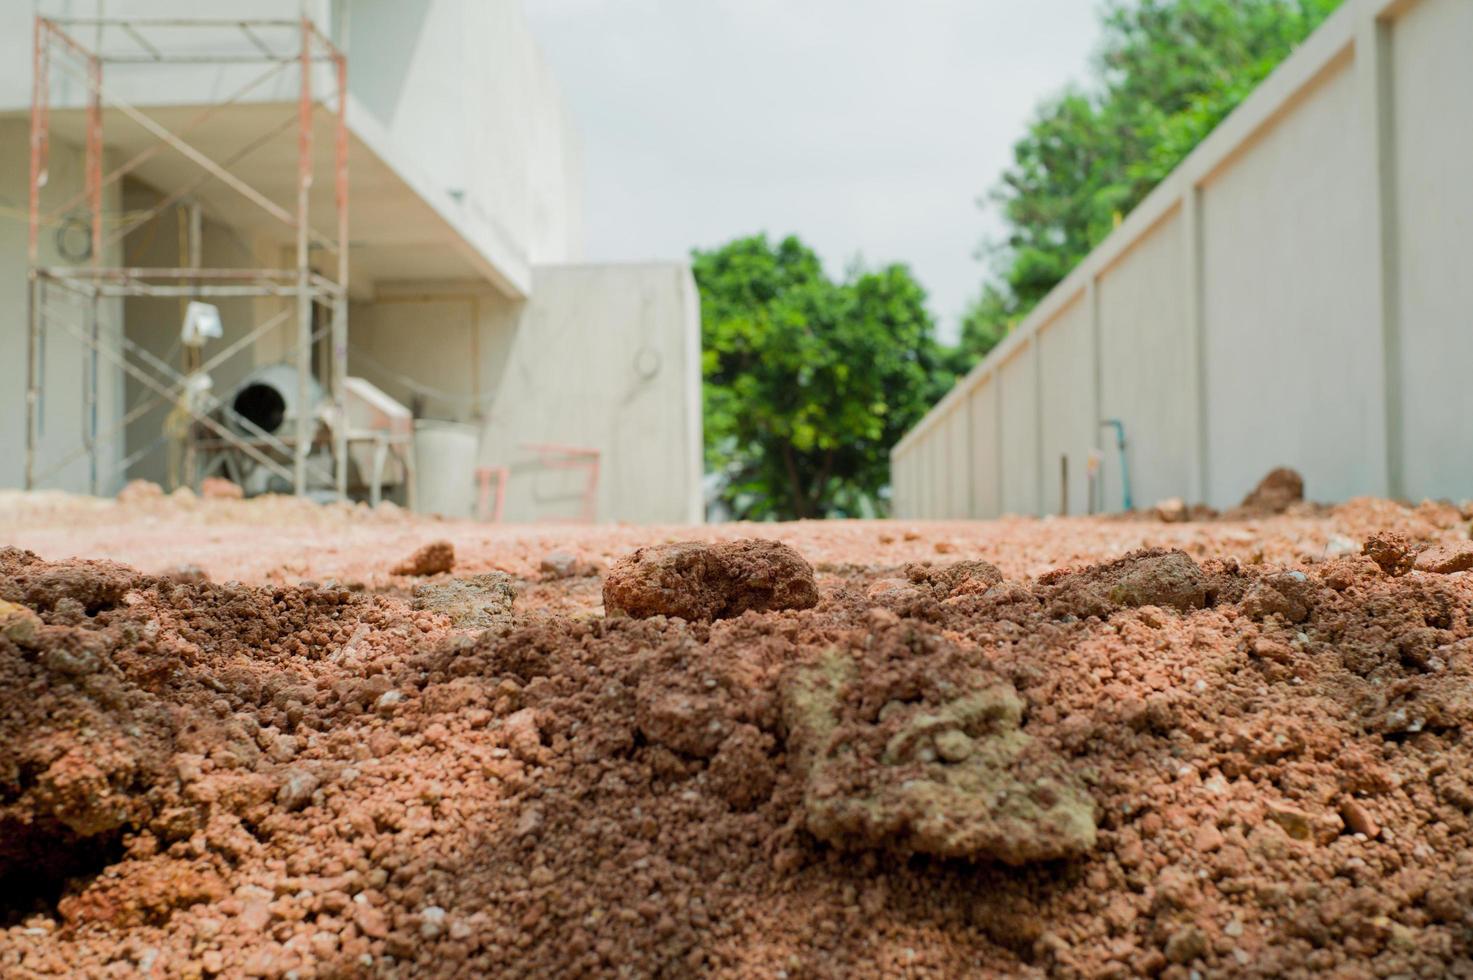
{"x": 1373, "y": 84}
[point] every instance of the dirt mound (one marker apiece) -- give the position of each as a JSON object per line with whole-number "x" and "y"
{"x": 435, "y": 558}
{"x": 1275, "y": 493}
{"x": 218, "y": 779}
{"x": 144, "y": 714}
{"x": 697, "y": 581}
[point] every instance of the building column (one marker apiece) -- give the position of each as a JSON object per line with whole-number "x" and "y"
{"x": 1373, "y": 83}
{"x": 1199, "y": 480}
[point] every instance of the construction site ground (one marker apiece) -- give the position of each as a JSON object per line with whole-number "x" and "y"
{"x": 237, "y": 740}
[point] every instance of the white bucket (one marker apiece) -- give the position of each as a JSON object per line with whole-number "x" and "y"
{"x": 445, "y": 467}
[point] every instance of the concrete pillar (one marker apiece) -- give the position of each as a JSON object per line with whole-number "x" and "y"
{"x": 997, "y": 453}
{"x": 1373, "y": 85}
{"x": 1199, "y": 486}
{"x": 1036, "y": 356}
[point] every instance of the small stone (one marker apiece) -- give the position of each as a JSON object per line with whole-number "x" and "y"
{"x": 433, "y": 559}
{"x": 431, "y": 922}
{"x": 1296, "y": 823}
{"x": 1209, "y": 838}
{"x": 476, "y": 602}
{"x": 18, "y": 624}
{"x": 1172, "y": 510}
{"x": 953, "y": 746}
{"x": 1392, "y": 551}
{"x": 1358, "y": 821}
{"x": 371, "y": 921}
{"x": 296, "y": 790}
{"x": 1186, "y": 944}
{"x": 1274, "y": 493}
{"x": 696, "y": 581}
{"x": 1445, "y": 559}
{"x": 564, "y": 564}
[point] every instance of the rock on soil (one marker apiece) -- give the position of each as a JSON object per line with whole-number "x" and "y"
{"x": 476, "y": 602}
{"x": 1150, "y": 577}
{"x": 564, "y": 564}
{"x": 435, "y": 558}
{"x": 1274, "y": 494}
{"x": 697, "y": 581}
{"x": 1445, "y": 559}
{"x": 904, "y": 746}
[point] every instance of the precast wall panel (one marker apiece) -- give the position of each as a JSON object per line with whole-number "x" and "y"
{"x": 1298, "y": 292}
{"x": 982, "y": 407}
{"x": 1147, "y": 369}
{"x": 1291, "y": 323}
{"x": 1431, "y": 55}
{"x": 936, "y": 449}
{"x": 1019, "y": 433}
{"x": 899, "y": 486}
{"x": 1067, "y": 372}
{"x": 959, "y": 463}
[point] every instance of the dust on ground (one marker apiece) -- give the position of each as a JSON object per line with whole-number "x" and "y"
{"x": 1102, "y": 747}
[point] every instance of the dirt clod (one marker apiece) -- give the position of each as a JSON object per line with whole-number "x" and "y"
{"x": 904, "y": 747}
{"x": 435, "y": 558}
{"x": 1445, "y": 559}
{"x": 697, "y": 581}
{"x": 1275, "y": 493}
{"x": 1392, "y": 551}
{"x": 476, "y": 602}
{"x": 1150, "y": 577}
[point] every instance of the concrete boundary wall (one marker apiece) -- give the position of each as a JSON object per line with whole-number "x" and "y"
{"x": 1294, "y": 293}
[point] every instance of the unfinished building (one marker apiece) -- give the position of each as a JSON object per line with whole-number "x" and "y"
{"x": 335, "y": 253}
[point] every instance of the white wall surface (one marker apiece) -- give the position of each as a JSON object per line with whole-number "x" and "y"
{"x": 1019, "y": 434}
{"x": 1432, "y": 56}
{"x": 601, "y": 356}
{"x": 982, "y": 404}
{"x": 62, "y": 410}
{"x": 1293, "y": 342}
{"x": 1295, "y": 293}
{"x": 1067, "y": 371}
{"x": 1146, "y": 368}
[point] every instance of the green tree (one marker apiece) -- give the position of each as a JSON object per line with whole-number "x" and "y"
{"x": 809, "y": 381}
{"x": 1168, "y": 72}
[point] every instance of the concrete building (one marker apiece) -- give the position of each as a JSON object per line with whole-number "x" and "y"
{"x": 1298, "y": 292}
{"x": 467, "y": 298}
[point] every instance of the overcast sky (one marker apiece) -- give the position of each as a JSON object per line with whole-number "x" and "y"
{"x": 868, "y": 127}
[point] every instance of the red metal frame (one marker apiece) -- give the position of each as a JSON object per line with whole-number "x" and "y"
{"x": 560, "y": 457}
{"x": 96, "y": 281}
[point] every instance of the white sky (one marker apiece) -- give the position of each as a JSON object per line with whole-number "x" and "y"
{"x": 869, "y": 128}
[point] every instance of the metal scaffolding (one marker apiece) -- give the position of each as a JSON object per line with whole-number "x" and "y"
{"x": 70, "y": 298}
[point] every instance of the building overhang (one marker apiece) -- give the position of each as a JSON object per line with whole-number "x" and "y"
{"x": 402, "y": 227}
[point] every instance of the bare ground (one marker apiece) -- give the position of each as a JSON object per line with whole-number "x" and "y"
{"x": 252, "y": 750}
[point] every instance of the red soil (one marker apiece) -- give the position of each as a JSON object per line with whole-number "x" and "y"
{"x": 1266, "y": 727}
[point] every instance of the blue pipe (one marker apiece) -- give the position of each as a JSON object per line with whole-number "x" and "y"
{"x": 1119, "y": 428}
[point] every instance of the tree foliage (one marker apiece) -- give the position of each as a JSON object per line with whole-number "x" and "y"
{"x": 1168, "y": 72}
{"x": 809, "y": 381}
